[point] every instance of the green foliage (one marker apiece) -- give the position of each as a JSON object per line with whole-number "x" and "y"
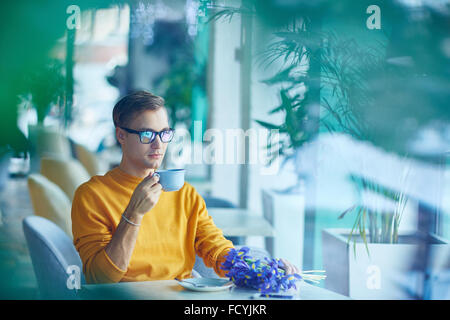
{"x": 344, "y": 67}
{"x": 384, "y": 91}
{"x": 341, "y": 64}
{"x": 376, "y": 226}
{"x": 28, "y": 31}
{"x": 296, "y": 128}
{"x": 295, "y": 124}
{"x": 177, "y": 85}
{"x": 46, "y": 86}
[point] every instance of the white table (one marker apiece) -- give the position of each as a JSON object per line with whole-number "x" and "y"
{"x": 236, "y": 222}
{"x": 171, "y": 290}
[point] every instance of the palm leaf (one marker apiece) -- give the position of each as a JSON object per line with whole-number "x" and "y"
{"x": 346, "y": 211}
{"x": 281, "y": 76}
{"x": 270, "y": 126}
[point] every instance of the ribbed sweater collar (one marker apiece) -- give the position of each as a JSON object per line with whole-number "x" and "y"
{"x": 124, "y": 178}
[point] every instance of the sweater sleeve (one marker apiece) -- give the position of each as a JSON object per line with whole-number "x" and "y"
{"x": 91, "y": 233}
{"x": 210, "y": 244}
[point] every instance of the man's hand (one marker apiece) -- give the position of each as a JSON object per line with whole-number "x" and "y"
{"x": 289, "y": 268}
{"x": 144, "y": 197}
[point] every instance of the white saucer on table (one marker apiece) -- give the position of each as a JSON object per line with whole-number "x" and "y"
{"x": 205, "y": 284}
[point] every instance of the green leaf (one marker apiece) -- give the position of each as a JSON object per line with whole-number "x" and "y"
{"x": 355, "y": 224}
{"x": 363, "y": 233}
{"x": 269, "y": 126}
{"x": 277, "y": 109}
{"x": 346, "y": 211}
{"x": 281, "y": 76}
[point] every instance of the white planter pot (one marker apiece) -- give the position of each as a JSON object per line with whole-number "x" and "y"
{"x": 390, "y": 272}
{"x": 286, "y": 213}
{"x": 4, "y": 169}
{"x": 46, "y": 141}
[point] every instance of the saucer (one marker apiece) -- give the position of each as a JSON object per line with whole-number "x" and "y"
{"x": 205, "y": 284}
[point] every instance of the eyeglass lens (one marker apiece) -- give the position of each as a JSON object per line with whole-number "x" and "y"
{"x": 149, "y": 136}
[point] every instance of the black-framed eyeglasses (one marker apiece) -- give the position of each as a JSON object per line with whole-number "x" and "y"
{"x": 148, "y": 136}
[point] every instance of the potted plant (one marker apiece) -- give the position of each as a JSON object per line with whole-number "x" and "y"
{"x": 183, "y": 84}
{"x": 384, "y": 92}
{"x": 373, "y": 259}
{"x": 296, "y": 88}
{"x": 285, "y": 209}
{"x": 5, "y": 156}
{"x": 45, "y": 89}
{"x": 177, "y": 87}
{"x": 13, "y": 143}
{"x": 172, "y": 41}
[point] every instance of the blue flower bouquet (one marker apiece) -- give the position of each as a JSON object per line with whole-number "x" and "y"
{"x": 267, "y": 276}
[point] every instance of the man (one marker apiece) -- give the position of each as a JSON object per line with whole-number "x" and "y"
{"x": 125, "y": 227}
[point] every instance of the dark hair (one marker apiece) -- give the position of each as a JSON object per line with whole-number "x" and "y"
{"x": 133, "y": 103}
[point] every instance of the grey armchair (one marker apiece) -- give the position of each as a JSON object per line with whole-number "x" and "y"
{"x": 56, "y": 262}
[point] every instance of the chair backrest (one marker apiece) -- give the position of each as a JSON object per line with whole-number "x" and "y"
{"x": 50, "y": 202}
{"x": 88, "y": 159}
{"x": 48, "y": 141}
{"x": 213, "y": 202}
{"x": 68, "y": 174}
{"x": 56, "y": 263}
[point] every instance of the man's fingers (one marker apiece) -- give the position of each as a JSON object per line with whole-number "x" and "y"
{"x": 156, "y": 187}
{"x": 151, "y": 180}
{"x": 285, "y": 266}
{"x": 289, "y": 268}
{"x": 297, "y": 270}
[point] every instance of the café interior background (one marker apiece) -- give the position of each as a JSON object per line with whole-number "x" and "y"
{"x": 313, "y": 115}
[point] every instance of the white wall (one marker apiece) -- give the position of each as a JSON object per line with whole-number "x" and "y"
{"x": 226, "y": 102}
{"x": 263, "y": 99}
{"x": 227, "y": 110}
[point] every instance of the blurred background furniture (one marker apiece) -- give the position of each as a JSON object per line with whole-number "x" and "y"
{"x": 89, "y": 160}
{"x": 237, "y": 222}
{"x": 50, "y": 202}
{"x": 439, "y": 286}
{"x": 46, "y": 141}
{"x": 53, "y": 255}
{"x": 68, "y": 174}
{"x": 286, "y": 215}
{"x": 214, "y": 202}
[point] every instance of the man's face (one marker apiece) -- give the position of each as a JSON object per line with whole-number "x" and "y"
{"x": 144, "y": 156}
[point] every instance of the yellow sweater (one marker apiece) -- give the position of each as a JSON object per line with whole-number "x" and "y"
{"x": 170, "y": 235}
